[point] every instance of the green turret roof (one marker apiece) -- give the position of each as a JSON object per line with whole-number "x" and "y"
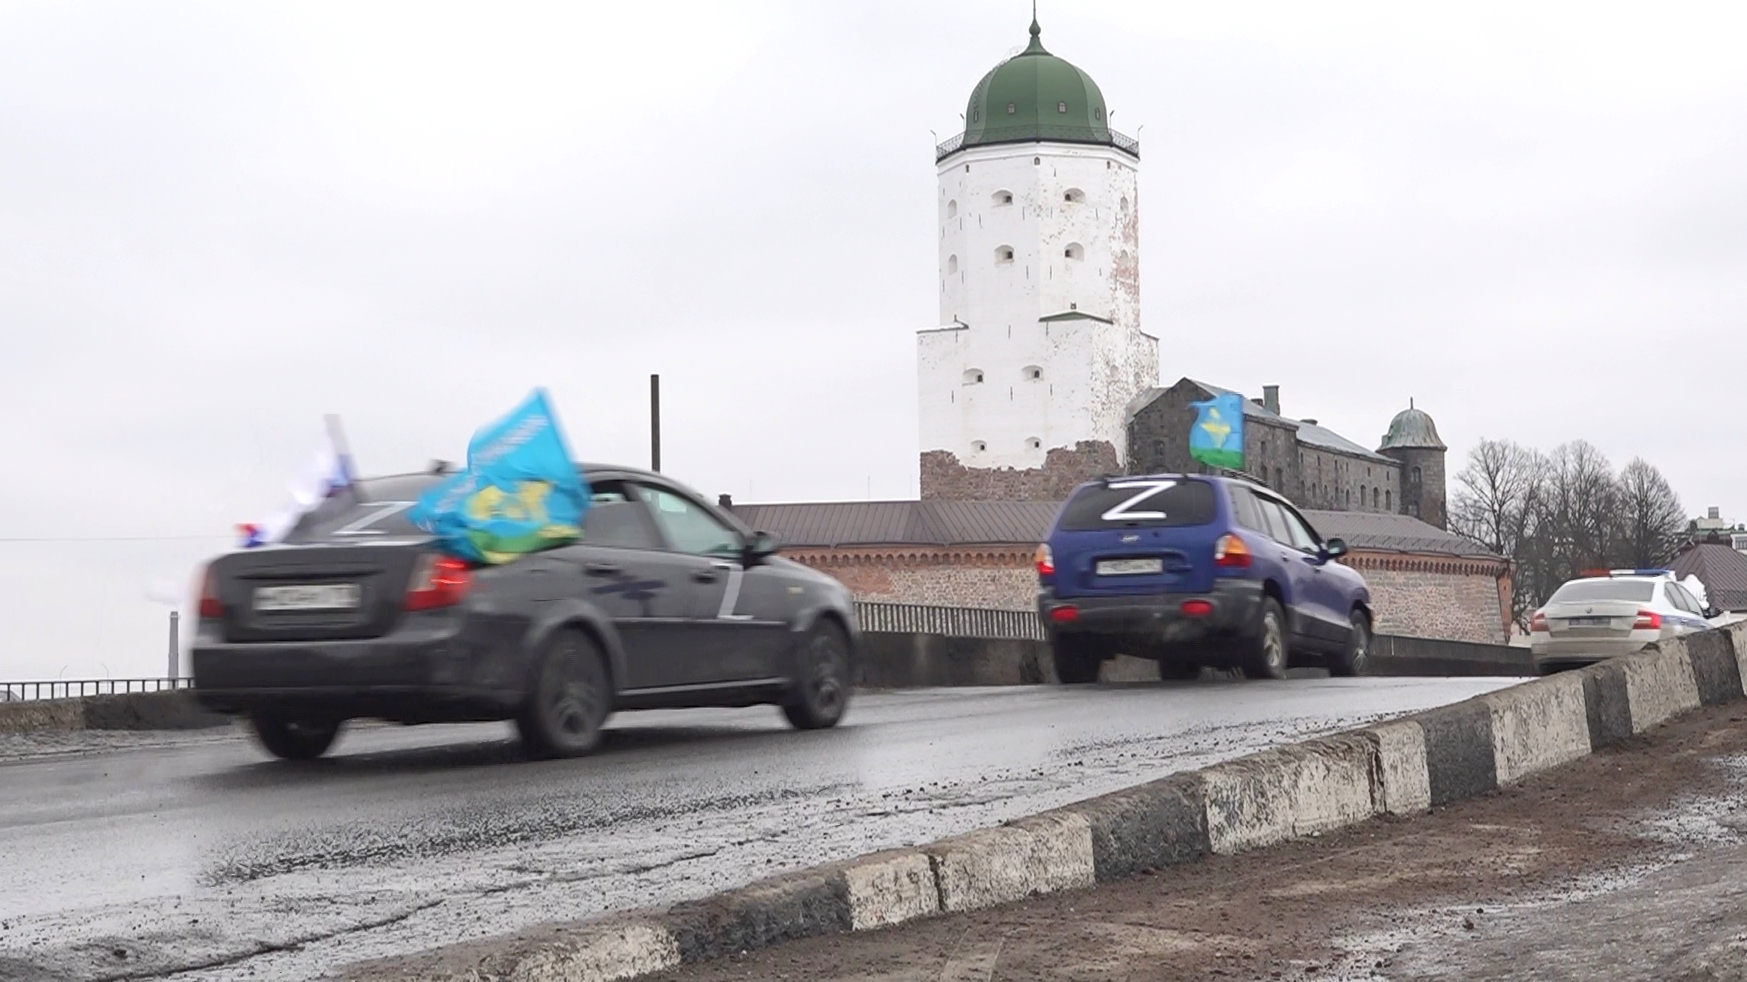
{"x": 1035, "y": 96}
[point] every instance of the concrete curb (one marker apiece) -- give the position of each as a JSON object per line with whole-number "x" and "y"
{"x": 1398, "y": 767}
{"x": 131, "y": 711}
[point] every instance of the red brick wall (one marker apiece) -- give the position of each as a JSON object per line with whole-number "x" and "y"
{"x": 944, "y": 477}
{"x": 1430, "y": 598}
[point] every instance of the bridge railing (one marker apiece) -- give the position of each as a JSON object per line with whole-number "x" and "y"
{"x": 35, "y": 689}
{"x": 955, "y": 622}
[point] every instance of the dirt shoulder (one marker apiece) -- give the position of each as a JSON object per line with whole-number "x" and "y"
{"x": 1391, "y": 899}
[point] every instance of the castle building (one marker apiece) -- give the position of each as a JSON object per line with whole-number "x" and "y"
{"x": 1038, "y": 377}
{"x": 1025, "y": 382}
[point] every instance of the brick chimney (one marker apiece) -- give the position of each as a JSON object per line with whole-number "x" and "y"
{"x": 1271, "y": 398}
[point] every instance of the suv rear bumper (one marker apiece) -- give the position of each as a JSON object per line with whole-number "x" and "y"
{"x": 409, "y": 676}
{"x": 1159, "y": 617}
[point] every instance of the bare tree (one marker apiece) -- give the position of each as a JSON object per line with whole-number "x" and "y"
{"x": 1497, "y": 504}
{"x": 1578, "y": 513}
{"x": 1649, "y": 516}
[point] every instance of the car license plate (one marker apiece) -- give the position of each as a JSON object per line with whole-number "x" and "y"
{"x": 308, "y": 596}
{"x": 1129, "y": 567}
{"x": 1588, "y": 621}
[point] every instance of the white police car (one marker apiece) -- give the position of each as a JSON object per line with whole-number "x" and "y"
{"x": 1615, "y": 612}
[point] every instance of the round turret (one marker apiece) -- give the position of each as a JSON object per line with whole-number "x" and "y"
{"x": 1413, "y": 442}
{"x": 1036, "y": 96}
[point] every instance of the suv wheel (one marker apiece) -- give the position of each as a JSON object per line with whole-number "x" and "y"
{"x": 571, "y": 699}
{"x": 822, "y": 693}
{"x": 1077, "y": 658}
{"x": 1351, "y": 661}
{"x": 295, "y": 739}
{"x": 1179, "y": 671}
{"x": 1268, "y": 654}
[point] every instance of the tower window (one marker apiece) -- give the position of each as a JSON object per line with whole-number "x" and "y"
{"x": 1011, "y": 108}
{"x": 979, "y": 446}
{"x": 1033, "y": 443}
{"x": 1004, "y": 254}
{"x": 973, "y": 376}
{"x": 1061, "y": 107}
{"x": 1416, "y": 475}
{"x": 1388, "y": 500}
{"x": 952, "y": 209}
{"x": 1074, "y": 251}
{"x": 1037, "y": 160}
{"x": 1003, "y": 197}
{"x": 1098, "y": 113}
{"x": 1123, "y": 204}
{"x": 1031, "y": 373}
{"x": 952, "y": 264}
{"x": 1074, "y": 194}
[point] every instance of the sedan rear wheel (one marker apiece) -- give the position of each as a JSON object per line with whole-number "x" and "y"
{"x": 1268, "y": 653}
{"x": 294, "y": 739}
{"x": 822, "y": 693}
{"x": 571, "y": 700}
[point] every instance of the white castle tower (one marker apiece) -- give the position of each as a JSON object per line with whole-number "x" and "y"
{"x": 1025, "y": 384}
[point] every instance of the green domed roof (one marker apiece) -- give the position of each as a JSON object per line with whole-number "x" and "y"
{"x": 1412, "y": 429}
{"x": 1035, "y": 96}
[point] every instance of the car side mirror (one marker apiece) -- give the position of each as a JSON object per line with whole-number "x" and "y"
{"x": 1334, "y": 548}
{"x": 1711, "y": 612}
{"x": 762, "y": 547}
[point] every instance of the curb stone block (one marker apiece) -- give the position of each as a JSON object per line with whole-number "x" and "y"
{"x": 1042, "y": 854}
{"x": 1714, "y": 668}
{"x": 1606, "y": 704}
{"x": 1737, "y": 633}
{"x": 798, "y": 905}
{"x": 890, "y": 888}
{"x": 1460, "y": 762}
{"x": 1539, "y": 726}
{"x": 1278, "y": 794}
{"x": 1161, "y": 823}
{"x": 1405, "y": 786}
{"x": 1659, "y": 685}
{"x": 605, "y": 953}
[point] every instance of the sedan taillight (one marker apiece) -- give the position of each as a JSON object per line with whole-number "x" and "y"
{"x": 211, "y": 607}
{"x": 1538, "y": 622}
{"x": 1648, "y": 620}
{"x": 438, "y": 581}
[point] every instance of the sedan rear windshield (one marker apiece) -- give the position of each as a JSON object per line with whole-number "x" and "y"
{"x": 381, "y": 510}
{"x": 1579, "y": 591}
{"x": 1140, "y": 503}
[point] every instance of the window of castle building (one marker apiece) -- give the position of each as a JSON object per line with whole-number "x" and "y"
{"x": 1004, "y": 254}
{"x": 1073, "y": 194}
{"x": 952, "y": 264}
{"x": 1389, "y": 501}
{"x": 1374, "y": 497}
{"x": 1061, "y": 107}
{"x": 952, "y": 209}
{"x": 1074, "y": 251}
{"x": 1361, "y": 496}
{"x": 972, "y": 376}
{"x": 1003, "y": 197}
{"x": 1011, "y": 108}
{"x": 979, "y": 446}
{"x": 1031, "y": 373}
{"x": 1033, "y": 443}
{"x": 1416, "y": 475}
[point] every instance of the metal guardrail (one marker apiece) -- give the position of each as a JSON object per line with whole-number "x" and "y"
{"x": 1044, "y": 133}
{"x": 956, "y": 622}
{"x": 32, "y": 691}
{"x": 885, "y": 618}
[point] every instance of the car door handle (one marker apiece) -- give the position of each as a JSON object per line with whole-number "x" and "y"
{"x": 706, "y": 575}
{"x": 602, "y": 569}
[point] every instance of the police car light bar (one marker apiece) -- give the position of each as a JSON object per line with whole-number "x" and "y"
{"x": 1642, "y": 572}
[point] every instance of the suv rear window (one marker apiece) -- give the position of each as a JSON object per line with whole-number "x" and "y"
{"x": 1140, "y": 503}
{"x": 1581, "y": 590}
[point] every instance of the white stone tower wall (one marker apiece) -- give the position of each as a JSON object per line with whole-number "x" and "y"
{"x": 1090, "y": 369}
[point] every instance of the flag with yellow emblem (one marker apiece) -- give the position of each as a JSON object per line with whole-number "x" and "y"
{"x": 1217, "y": 438}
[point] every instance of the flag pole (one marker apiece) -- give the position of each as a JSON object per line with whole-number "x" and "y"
{"x": 337, "y": 436}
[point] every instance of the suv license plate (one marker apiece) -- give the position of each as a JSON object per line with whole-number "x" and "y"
{"x": 310, "y": 596}
{"x": 1129, "y": 567}
{"x": 1588, "y": 621}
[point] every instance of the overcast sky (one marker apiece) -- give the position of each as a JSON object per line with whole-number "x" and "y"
{"x": 219, "y": 221}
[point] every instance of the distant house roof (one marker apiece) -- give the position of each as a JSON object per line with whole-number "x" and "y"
{"x": 839, "y": 524}
{"x": 1721, "y": 569}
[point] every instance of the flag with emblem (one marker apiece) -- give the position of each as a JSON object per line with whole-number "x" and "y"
{"x": 1217, "y": 438}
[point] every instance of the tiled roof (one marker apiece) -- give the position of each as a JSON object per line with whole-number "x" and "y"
{"x": 1721, "y": 569}
{"x": 832, "y": 524}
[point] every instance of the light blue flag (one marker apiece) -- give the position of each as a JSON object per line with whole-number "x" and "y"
{"x": 520, "y": 493}
{"x": 1217, "y": 438}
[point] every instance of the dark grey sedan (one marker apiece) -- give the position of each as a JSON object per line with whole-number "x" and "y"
{"x": 666, "y": 601}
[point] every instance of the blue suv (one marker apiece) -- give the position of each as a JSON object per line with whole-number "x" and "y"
{"x": 1192, "y": 571}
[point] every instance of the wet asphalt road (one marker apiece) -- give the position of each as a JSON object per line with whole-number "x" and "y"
{"x": 209, "y": 862}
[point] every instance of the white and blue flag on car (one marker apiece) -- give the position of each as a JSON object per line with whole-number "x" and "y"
{"x": 328, "y": 474}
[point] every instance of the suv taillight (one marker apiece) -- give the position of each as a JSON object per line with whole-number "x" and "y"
{"x": 1231, "y": 553}
{"x": 1538, "y": 622}
{"x": 211, "y": 607}
{"x": 1045, "y": 561}
{"x": 1648, "y": 620}
{"x": 438, "y": 581}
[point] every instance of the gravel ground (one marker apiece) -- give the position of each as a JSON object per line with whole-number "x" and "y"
{"x": 1626, "y": 865}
